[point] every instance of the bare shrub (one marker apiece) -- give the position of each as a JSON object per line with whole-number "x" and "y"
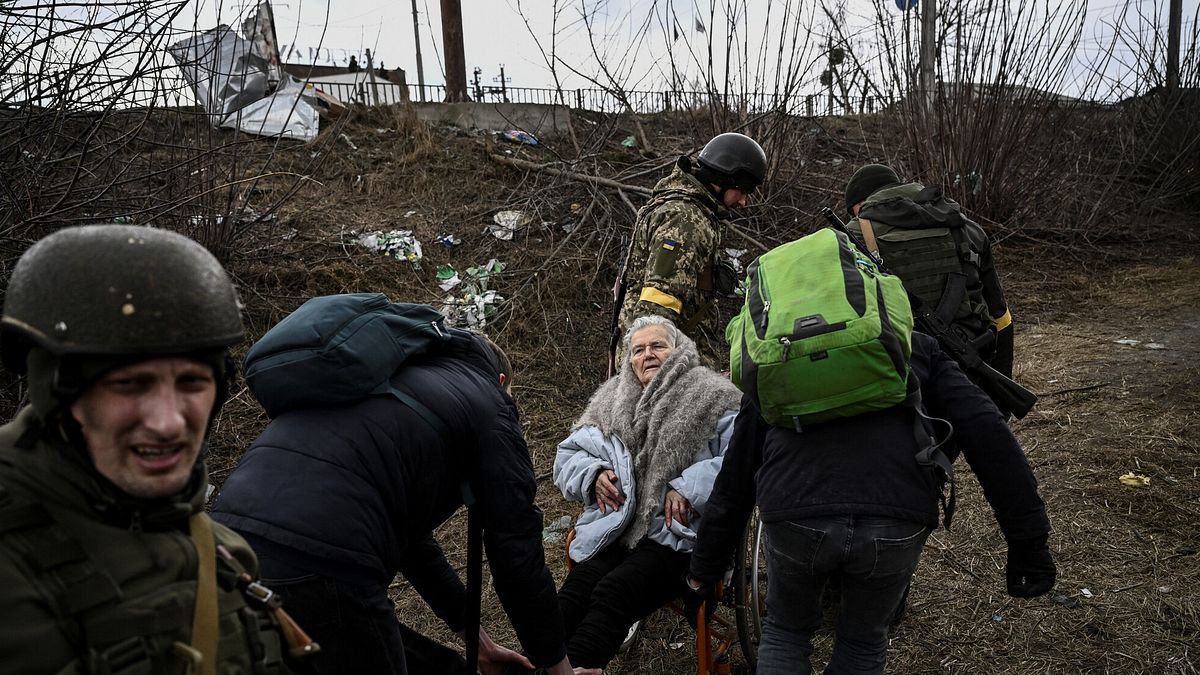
{"x": 97, "y": 125}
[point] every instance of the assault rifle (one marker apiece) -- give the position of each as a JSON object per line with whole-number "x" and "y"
{"x": 614, "y": 321}
{"x": 1007, "y": 394}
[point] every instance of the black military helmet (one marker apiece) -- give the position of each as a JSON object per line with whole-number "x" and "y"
{"x": 117, "y": 291}
{"x": 737, "y": 158}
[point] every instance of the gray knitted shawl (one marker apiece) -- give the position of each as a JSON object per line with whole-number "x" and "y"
{"x": 663, "y": 425}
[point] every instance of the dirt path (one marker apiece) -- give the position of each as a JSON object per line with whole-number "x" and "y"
{"x": 1119, "y": 378}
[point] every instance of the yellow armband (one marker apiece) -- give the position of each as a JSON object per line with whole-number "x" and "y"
{"x": 652, "y": 294}
{"x": 1003, "y": 321}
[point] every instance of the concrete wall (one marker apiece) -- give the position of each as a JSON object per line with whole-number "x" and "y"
{"x": 538, "y": 119}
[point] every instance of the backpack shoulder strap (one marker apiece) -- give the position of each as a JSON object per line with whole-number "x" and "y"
{"x": 868, "y": 232}
{"x": 474, "y": 529}
{"x": 931, "y": 455}
{"x": 962, "y": 244}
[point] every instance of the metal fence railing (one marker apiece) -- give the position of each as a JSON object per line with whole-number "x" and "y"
{"x": 609, "y": 101}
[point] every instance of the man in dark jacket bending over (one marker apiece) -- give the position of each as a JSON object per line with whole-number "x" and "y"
{"x": 337, "y": 501}
{"x": 849, "y": 499}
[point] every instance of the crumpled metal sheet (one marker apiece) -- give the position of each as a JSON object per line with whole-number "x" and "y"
{"x": 224, "y": 73}
{"x": 287, "y": 113}
{"x": 231, "y": 83}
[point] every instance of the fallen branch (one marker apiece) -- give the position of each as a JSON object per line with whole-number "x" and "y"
{"x": 1075, "y": 389}
{"x": 621, "y": 188}
{"x": 582, "y": 177}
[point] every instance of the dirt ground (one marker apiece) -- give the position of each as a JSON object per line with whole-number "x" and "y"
{"x": 1112, "y": 348}
{"x": 1108, "y": 335}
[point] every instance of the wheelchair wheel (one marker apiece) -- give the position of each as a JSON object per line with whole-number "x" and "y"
{"x": 750, "y": 588}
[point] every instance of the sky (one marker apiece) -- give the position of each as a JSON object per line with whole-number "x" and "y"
{"x": 649, "y": 45}
{"x": 500, "y": 32}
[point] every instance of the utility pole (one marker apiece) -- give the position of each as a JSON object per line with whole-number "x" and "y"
{"x": 503, "y": 84}
{"x": 417, "y": 40}
{"x": 828, "y": 74}
{"x": 928, "y": 52}
{"x": 1173, "y": 29}
{"x": 452, "y": 43}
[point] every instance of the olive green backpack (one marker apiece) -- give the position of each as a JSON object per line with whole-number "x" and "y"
{"x": 822, "y": 334}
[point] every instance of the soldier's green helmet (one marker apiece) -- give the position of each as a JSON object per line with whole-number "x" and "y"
{"x": 98, "y": 295}
{"x": 738, "y": 159}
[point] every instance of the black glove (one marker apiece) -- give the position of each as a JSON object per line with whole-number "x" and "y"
{"x": 1030, "y": 571}
{"x": 693, "y": 598}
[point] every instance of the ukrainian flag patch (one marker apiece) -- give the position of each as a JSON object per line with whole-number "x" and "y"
{"x": 669, "y": 245}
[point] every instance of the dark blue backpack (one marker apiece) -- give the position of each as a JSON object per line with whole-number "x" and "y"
{"x": 340, "y": 348}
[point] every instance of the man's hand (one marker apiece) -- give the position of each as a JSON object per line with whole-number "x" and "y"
{"x": 608, "y": 495}
{"x": 698, "y": 595}
{"x": 493, "y": 658}
{"x": 1030, "y": 571}
{"x": 677, "y": 507}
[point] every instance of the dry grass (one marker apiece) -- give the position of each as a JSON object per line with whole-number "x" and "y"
{"x": 1106, "y": 408}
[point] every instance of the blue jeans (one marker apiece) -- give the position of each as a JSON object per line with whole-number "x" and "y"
{"x": 873, "y": 557}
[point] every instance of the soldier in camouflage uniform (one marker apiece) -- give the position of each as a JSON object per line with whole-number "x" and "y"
{"x": 108, "y": 563}
{"x": 672, "y": 260}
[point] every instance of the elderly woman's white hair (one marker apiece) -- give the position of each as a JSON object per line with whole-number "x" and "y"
{"x": 673, "y": 332}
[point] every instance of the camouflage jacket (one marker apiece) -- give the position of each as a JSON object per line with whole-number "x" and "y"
{"x": 92, "y": 582}
{"x": 669, "y": 267}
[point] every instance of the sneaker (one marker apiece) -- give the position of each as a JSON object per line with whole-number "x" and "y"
{"x": 630, "y": 637}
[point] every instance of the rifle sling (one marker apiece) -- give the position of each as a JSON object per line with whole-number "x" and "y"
{"x": 205, "y": 631}
{"x": 474, "y": 529}
{"x": 474, "y": 586}
{"x": 953, "y": 294}
{"x": 868, "y": 232}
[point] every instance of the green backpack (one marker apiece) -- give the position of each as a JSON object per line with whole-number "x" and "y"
{"x": 823, "y": 333}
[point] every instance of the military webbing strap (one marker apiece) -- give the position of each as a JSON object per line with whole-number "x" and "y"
{"x": 931, "y": 455}
{"x": 61, "y": 568}
{"x": 205, "y": 632}
{"x": 868, "y": 232}
{"x": 954, "y": 292}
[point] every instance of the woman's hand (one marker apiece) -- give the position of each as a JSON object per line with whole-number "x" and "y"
{"x": 608, "y": 495}
{"x": 493, "y": 658}
{"x": 677, "y": 507}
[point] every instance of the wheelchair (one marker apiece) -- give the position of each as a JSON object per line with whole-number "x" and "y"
{"x": 743, "y": 593}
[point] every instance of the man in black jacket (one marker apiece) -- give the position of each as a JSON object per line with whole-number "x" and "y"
{"x": 848, "y": 499}
{"x": 338, "y": 500}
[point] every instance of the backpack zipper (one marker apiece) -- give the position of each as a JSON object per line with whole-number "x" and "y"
{"x": 787, "y": 345}
{"x": 766, "y": 298}
{"x": 757, "y": 300}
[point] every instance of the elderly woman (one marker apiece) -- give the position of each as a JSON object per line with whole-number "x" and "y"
{"x": 642, "y": 458}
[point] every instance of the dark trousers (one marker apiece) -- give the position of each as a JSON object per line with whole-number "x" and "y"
{"x": 601, "y": 598}
{"x": 356, "y": 627}
{"x": 873, "y": 558}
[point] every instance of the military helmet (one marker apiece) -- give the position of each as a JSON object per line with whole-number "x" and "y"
{"x": 117, "y": 290}
{"x": 736, "y": 157}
